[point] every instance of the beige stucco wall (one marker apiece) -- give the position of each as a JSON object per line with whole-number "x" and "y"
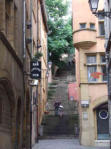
{"x": 87, "y": 41}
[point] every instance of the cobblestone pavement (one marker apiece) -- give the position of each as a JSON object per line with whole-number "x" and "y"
{"x": 62, "y": 144}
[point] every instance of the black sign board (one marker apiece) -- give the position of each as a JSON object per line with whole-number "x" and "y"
{"x": 35, "y": 69}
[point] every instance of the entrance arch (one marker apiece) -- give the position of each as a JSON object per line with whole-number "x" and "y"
{"x": 6, "y": 114}
{"x": 102, "y": 121}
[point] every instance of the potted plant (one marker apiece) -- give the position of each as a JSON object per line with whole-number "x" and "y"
{"x": 37, "y": 55}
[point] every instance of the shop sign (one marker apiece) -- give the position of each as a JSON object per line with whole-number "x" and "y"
{"x": 35, "y": 69}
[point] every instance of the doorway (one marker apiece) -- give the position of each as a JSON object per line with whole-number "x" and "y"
{"x": 102, "y": 122}
{"x": 5, "y": 120}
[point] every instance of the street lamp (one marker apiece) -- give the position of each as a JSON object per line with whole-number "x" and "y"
{"x": 94, "y": 6}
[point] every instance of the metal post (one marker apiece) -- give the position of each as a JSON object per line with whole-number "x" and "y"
{"x": 37, "y": 111}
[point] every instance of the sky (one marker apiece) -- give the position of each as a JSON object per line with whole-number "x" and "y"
{"x": 70, "y": 8}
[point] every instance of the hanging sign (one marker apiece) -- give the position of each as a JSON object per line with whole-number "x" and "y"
{"x": 35, "y": 69}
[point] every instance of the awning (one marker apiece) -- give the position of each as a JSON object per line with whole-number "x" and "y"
{"x": 73, "y": 91}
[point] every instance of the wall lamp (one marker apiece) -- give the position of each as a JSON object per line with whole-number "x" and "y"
{"x": 49, "y": 65}
{"x": 94, "y": 6}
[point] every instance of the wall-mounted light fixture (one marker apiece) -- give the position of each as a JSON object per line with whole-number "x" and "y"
{"x": 39, "y": 46}
{"x": 47, "y": 74}
{"x": 28, "y": 40}
{"x": 49, "y": 65}
{"x": 29, "y": 25}
{"x": 94, "y": 7}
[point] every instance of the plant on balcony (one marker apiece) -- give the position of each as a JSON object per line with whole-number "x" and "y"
{"x": 37, "y": 56}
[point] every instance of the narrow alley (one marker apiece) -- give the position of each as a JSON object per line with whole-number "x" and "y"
{"x": 56, "y": 132}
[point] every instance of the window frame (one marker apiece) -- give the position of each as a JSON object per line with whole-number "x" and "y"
{"x": 103, "y": 64}
{"x": 81, "y": 26}
{"x": 89, "y": 65}
{"x": 92, "y": 24}
{"x": 100, "y": 30}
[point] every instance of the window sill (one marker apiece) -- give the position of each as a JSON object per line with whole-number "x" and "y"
{"x": 101, "y": 36}
{"x": 104, "y": 82}
{"x": 93, "y": 64}
{"x": 102, "y": 64}
{"x": 94, "y": 83}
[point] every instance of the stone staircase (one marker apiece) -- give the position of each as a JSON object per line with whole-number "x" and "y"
{"x": 56, "y": 126}
{"x": 69, "y": 124}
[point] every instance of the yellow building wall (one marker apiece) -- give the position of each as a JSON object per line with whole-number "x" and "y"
{"x": 87, "y": 42}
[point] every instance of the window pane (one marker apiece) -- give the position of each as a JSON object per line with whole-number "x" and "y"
{"x": 82, "y": 25}
{"x": 91, "y": 69}
{"x": 101, "y": 28}
{"x": 91, "y": 59}
{"x": 101, "y": 17}
{"x": 103, "y": 60}
{"x": 92, "y": 26}
{"x": 104, "y": 78}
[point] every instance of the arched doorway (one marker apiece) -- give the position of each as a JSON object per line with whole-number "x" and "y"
{"x": 102, "y": 122}
{"x": 5, "y": 119}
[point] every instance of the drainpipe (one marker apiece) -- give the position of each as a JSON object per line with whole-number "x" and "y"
{"x": 31, "y": 47}
{"x": 24, "y": 51}
{"x": 24, "y": 31}
{"x": 37, "y": 85}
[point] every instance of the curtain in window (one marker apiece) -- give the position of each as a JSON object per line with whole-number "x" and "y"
{"x": 91, "y": 69}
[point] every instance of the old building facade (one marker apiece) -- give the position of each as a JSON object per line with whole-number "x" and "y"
{"x": 107, "y": 8}
{"x": 88, "y": 37}
{"x": 11, "y": 75}
{"x": 23, "y": 32}
{"x": 37, "y": 19}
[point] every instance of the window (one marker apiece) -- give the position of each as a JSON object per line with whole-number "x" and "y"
{"x": 91, "y": 70}
{"x": 100, "y": 17}
{"x": 82, "y": 25}
{"x": 91, "y": 59}
{"x": 104, "y": 76}
{"x": 103, "y": 60}
{"x": 101, "y": 29}
{"x": 96, "y": 68}
{"x": 103, "y": 68}
{"x": 92, "y": 26}
{"x": 91, "y": 67}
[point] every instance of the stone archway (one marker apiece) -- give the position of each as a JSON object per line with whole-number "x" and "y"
{"x": 6, "y": 114}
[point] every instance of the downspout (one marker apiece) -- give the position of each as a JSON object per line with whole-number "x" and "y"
{"x": 37, "y": 85}
{"x": 31, "y": 47}
{"x": 24, "y": 31}
{"x": 24, "y": 52}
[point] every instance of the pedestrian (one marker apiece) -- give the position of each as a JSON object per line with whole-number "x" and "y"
{"x": 56, "y": 106}
{"x": 61, "y": 110}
